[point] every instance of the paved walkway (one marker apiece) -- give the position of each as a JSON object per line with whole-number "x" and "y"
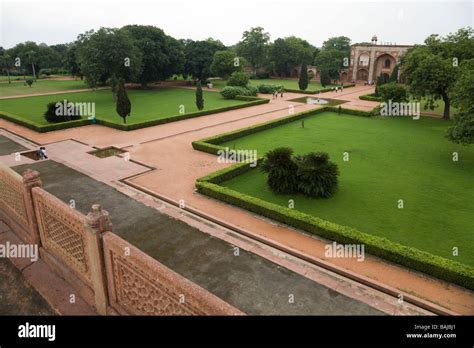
{"x": 17, "y": 297}
{"x": 168, "y": 149}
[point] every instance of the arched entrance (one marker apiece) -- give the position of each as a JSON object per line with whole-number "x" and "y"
{"x": 384, "y": 64}
{"x": 362, "y": 75}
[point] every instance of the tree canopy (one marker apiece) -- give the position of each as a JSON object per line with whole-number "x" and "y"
{"x": 199, "y": 56}
{"x": 254, "y": 47}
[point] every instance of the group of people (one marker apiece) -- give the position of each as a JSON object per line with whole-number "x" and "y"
{"x": 275, "y": 94}
{"x": 337, "y": 89}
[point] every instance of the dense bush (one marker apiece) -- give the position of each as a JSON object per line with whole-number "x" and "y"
{"x": 56, "y": 114}
{"x": 29, "y": 82}
{"x": 317, "y": 176}
{"x": 252, "y": 91}
{"x": 231, "y": 92}
{"x": 281, "y": 169}
{"x": 393, "y": 91}
{"x": 462, "y": 131}
{"x": 238, "y": 78}
{"x": 46, "y": 72}
{"x": 269, "y": 88}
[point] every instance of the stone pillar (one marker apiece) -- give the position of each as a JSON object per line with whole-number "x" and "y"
{"x": 355, "y": 65}
{"x": 372, "y": 66}
{"x": 31, "y": 179}
{"x": 97, "y": 222}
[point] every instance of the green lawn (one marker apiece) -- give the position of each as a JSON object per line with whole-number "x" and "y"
{"x": 287, "y": 83}
{"x": 146, "y": 104}
{"x": 41, "y": 86}
{"x": 390, "y": 159}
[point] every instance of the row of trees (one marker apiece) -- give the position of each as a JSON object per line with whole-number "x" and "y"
{"x": 143, "y": 54}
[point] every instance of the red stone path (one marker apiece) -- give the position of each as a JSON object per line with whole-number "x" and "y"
{"x": 168, "y": 148}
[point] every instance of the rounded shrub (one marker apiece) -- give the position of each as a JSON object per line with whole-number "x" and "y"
{"x": 252, "y": 90}
{"x": 269, "y": 88}
{"x": 238, "y": 78}
{"x": 281, "y": 169}
{"x": 231, "y": 92}
{"x": 316, "y": 175}
{"x": 56, "y": 112}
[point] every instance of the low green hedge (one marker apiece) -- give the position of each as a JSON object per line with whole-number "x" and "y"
{"x": 370, "y": 97}
{"x": 44, "y": 128}
{"x": 328, "y": 89}
{"x": 127, "y": 127}
{"x": 422, "y": 261}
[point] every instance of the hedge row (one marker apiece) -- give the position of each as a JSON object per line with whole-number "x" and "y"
{"x": 370, "y": 97}
{"x": 329, "y": 89}
{"x": 211, "y": 144}
{"x": 410, "y": 257}
{"x": 44, "y": 128}
{"x": 127, "y": 127}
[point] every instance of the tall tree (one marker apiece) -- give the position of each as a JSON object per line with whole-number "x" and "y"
{"x": 225, "y": 63}
{"x": 285, "y": 54}
{"x": 162, "y": 55}
{"x": 199, "y": 56}
{"x": 199, "y": 97}
{"x": 71, "y": 63}
{"x": 123, "y": 107}
{"x": 431, "y": 70}
{"x": 254, "y": 47}
{"x": 303, "y": 80}
{"x": 429, "y": 76}
{"x": 6, "y": 63}
{"x": 330, "y": 61}
{"x": 108, "y": 52}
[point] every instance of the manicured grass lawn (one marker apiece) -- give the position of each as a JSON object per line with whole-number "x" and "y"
{"x": 439, "y": 108}
{"x": 287, "y": 83}
{"x": 390, "y": 159}
{"x": 40, "y": 86}
{"x": 146, "y": 104}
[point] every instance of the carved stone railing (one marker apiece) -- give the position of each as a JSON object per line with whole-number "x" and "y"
{"x": 16, "y": 205}
{"x": 107, "y": 272}
{"x": 140, "y": 285}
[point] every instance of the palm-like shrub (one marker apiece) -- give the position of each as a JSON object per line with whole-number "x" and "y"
{"x": 316, "y": 175}
{"x": 281, "y": 169}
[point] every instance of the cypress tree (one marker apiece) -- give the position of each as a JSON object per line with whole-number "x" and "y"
{"x": 303, "y": 81}
{"x": 394, "y": 76}
{"x": 199, "y": 97}
{"x": 124, "y": 107}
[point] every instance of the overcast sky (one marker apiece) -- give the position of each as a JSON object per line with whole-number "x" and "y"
{"x": 402, "y": 22}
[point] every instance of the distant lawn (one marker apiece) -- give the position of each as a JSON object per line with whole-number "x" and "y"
{"x": 287, "y": 83}
{"x": 438, "y": 110}
{"x": 41, "y": 86}
{"x": 390, "y": 159}
{"x": 146, "y": 104}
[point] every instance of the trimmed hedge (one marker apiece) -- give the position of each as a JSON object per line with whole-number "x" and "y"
{"x": 410, "y": 257}
{"x": 127, "y": 127}
{"x": 422, "y": 261}
{"x": 44, "y": 128}
{"x": 329, "y": 89}
{"x": 370, "y": 97}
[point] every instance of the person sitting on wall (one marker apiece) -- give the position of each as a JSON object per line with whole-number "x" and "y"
{"x": 42, "y": 153}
